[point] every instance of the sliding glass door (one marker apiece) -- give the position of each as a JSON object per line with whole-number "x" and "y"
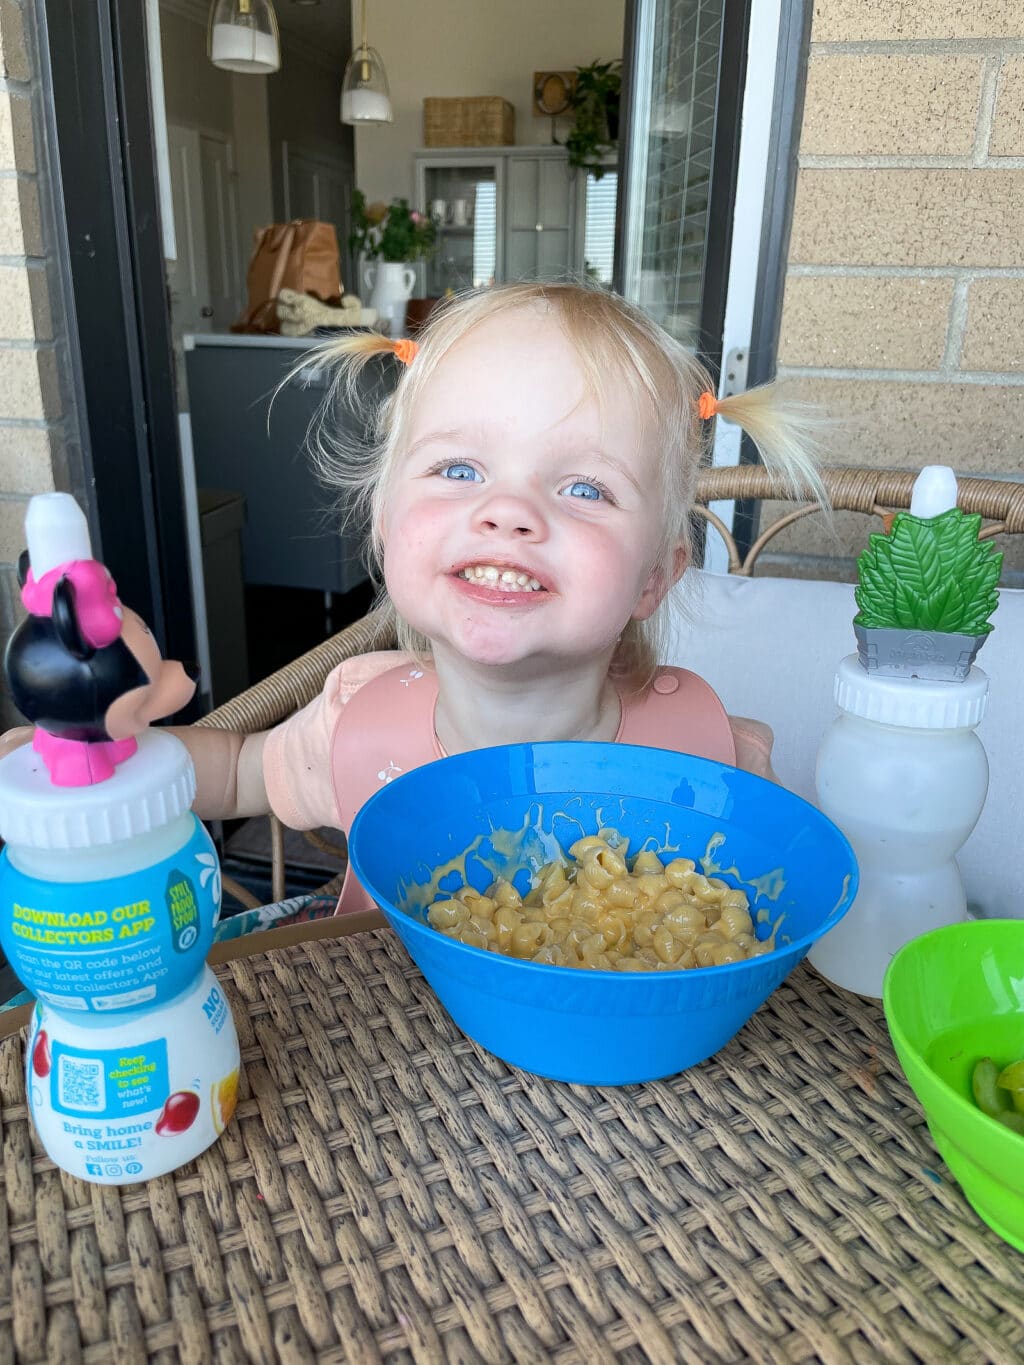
{"x": 678, "y": 183}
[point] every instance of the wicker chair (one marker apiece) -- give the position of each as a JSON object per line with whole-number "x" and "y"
{"x": 872, "y": 492}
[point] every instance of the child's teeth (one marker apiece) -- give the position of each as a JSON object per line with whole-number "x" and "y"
{"x": 491, "y": 574}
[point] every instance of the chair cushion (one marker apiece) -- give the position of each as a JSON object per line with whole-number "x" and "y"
{"x": 770, "y": 646}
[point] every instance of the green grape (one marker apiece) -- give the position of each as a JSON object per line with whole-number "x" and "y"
{"x": 1012, "y": 1078}
{"x": 984, "y": 1083}
{"x": 988, "y": 1084}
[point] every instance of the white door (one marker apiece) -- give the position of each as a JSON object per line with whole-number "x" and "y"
{"x": 220, "y": 211}
{"x": 187, "y": 276}
{"x": 205, "y": 281}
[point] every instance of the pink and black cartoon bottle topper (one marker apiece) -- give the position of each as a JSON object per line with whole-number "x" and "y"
{"x": 85, "y": 669}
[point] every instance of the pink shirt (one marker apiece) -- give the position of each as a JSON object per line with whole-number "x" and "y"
{"x": 298, "y": 757}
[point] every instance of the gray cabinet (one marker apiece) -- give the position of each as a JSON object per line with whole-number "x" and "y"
{"x": 250, "y": 416}
{"x": 463, "y": 192}
{"x": 503, "y": 213}
{"x": 540, "y": 217}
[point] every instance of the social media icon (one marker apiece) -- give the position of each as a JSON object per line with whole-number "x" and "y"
{"x": 93, "y": 1168}
{"x": 112, "y": 1169}
{"x": 133, "y": 1168}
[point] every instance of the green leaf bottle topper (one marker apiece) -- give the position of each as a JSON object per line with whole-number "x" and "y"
{"x": 931, "y": 572}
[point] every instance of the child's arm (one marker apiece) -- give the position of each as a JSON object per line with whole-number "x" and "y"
{"x": 229, "y": 768}
{"x": 754, "y": 741}
{"x": 229, "y": 771}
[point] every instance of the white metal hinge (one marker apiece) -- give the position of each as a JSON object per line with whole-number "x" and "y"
{"x": 735, "y": 371}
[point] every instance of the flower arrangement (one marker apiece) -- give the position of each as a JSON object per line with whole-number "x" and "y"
{"x": 390, "y": 232}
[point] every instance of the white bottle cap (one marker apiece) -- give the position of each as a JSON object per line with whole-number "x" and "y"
{"x": 934, "y": 491}
{"x": 918, "y": 703}
{"x": 147, "y": 791}
{"x": 56, "y": 532}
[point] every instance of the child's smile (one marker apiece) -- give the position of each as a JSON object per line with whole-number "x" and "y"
{"x": 498, "y": 581}
{"x": 524, "y": 522}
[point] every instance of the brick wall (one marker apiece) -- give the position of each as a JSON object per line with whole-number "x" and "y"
{"x": 904, "y": 303}
{"x": 32, "y": 435}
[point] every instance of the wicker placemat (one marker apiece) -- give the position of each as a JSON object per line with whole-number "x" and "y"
{"x": 389, "y": 1191}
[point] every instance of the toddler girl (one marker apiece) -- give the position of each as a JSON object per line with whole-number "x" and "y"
{"x": 528, "y": 492}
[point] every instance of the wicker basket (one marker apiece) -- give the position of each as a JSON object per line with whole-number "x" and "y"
{"x": 469, "y": 121}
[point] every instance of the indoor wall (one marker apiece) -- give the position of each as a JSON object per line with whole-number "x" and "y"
{"x": 458, "y": 47}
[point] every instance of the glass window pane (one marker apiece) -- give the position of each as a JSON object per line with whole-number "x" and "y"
{"x": 599, "y": 227}
{"x": 462, "y": 202}
{"x": 679, "y": 138}
{"x": 485, "y": 233}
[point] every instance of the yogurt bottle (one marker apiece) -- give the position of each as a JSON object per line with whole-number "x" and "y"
{"x": 904, "y": 776}
{"x": 109, "y": 885}
{"x": 109, "y": 893}
{"x": 121, "y": 1099}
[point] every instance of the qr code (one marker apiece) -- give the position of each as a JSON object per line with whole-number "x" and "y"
{"x": 80, "y": 1083}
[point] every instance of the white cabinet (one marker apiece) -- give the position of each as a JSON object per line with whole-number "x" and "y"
{"x": 503, "y": 213}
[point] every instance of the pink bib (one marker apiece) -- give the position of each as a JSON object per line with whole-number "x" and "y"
{"x": 387, "y": 728}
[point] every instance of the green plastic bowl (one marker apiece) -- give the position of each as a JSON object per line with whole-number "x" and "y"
{"x": 952, "y": 997}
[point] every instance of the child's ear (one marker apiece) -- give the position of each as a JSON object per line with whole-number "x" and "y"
{"x": 680, "y": 559}
{"x": 662, "y": 579}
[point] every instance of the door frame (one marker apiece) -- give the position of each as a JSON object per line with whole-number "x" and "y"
{"x": 766, "y": 187}
{"x": 110, "y": 245}
{"x": 638, "y": 41}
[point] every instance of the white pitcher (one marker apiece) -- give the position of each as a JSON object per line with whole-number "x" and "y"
{"x": 390, "y": 285}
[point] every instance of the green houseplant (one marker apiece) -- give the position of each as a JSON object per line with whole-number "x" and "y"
{"x": 594, "y": 103}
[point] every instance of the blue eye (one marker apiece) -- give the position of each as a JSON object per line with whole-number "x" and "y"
{"x": 460, "y": 473}
{"x": 590, "y": 492}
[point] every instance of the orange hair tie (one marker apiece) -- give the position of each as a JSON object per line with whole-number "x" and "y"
{"x": 405, "y": 350}
{"x": 707, "y": 406}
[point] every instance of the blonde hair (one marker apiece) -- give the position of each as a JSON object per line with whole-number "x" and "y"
{"x": 610, "y": 338}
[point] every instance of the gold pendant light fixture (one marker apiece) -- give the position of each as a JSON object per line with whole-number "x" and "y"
{"x": 365, "y": 97}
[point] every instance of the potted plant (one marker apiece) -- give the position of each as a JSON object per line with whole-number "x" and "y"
{"x": 594, "y": 103}
{"x": 388, "y": 237}
{"x": 925, "y": 593}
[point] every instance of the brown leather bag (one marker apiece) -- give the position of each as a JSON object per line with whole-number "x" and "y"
{"x": 301, "y": 255}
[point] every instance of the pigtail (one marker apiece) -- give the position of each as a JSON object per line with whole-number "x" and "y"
{"x": 787, "y": 436}
{"x": 345, "y": 358}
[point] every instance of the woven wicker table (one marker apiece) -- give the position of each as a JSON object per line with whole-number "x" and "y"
{"x": 388, "y": 1191}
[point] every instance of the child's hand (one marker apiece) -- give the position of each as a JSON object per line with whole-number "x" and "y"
{"x": 14, "y": 739}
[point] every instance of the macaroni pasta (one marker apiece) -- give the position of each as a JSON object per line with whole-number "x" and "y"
{"x": 600, "y": 912}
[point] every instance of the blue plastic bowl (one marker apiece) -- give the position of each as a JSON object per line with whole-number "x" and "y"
{"x": 574, "y": 1024}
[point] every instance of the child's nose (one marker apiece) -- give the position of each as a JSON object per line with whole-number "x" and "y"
{"x": 511, "y": 515}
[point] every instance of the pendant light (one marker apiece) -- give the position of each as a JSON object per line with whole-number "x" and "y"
{"x": 243, "y": 37}
{"x": 365, "y": 97}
